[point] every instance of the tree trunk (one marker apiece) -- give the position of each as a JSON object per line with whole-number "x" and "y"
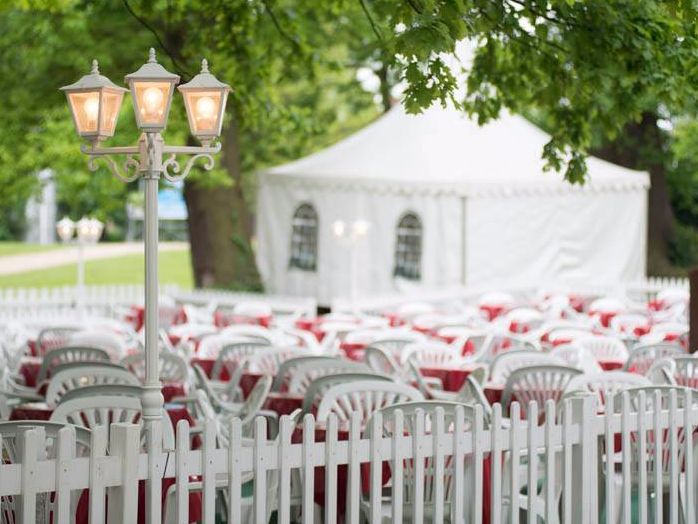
{"x": 643, "y": 145}
{"x": 385, "y": 88}
{"x": 220, "y": 226}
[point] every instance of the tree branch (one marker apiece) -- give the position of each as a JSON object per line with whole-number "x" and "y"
{"x": 181, "y": 71}
{"x": 376, "y": 31}
{"x": 278, "y": 27}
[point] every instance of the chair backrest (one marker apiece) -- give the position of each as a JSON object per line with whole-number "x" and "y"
{"x": 641, "y": 358}
{"x": 495, "y": 345}
{"x": 53, "y": 338}
{"x": 380, "y": 361}
{"x": 12, "y": 433}
{"x": 505, "y": 364}
{"x": 318, "y": 387}
{"x": 104, "y": 410}
{"x": 121, "y": 390}
{"x": 172, "y": 367}
{"x": 66, "y": 379}
{"x": 577, "y": 357}
{"x": 680, "y": 371}
{"x": 605, "y": 385}
{"x": 603, "y": 347}
{"x": 231, "y": 355}
{"x": 255, "y": 400}
{"x": 364, "y": 397}
{"x": 104, "y": 339}
{"x": 287, "y": 368}
{"x": 472, "y": 394}
{"x": 65, "y": 355}
{"x": 395, "y": 345}
{"x": 428, "y": 354}
{"x": 268, "y": 360}
{"x": 410, "y": 412}
{"x": 306, "y": 373}
{"x": 537, "y": 384}
{"x": 211, "y": 345}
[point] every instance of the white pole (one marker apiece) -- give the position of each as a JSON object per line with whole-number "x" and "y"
{"x": 151, "y": 161}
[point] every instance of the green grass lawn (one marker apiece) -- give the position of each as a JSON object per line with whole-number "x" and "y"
{"x": 20, "y": 248}
{"x": 175, "y": 268}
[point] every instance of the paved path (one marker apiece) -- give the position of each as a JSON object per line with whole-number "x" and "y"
{"x": 12, "y": 264}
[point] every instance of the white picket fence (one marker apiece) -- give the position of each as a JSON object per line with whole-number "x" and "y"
{"x": 443, "y": 470}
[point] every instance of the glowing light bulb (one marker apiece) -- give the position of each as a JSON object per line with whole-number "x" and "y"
{"x": 92, "y": 109}
{"x": 338, "y": 228}
{"x": 205, "y": 108}
{"x": 152, "y": 102}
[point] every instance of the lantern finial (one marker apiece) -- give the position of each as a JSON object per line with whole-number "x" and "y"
{"x": 151, "y": 56}
{"x": 204, "y": 66}
{"x": 95, "y": 67}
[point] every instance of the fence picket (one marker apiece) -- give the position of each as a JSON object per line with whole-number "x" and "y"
{"x": 376, "y": 432}
{"x": 674, "y": 470}
{"x": 331, "y": 470}
{"x": 65, "y": 453}
{"x": 398, "y": 465}
{"x": 308, "y": 469}
{"x": 183, "y": 467}
{"x": 658, "y": 435}
{"x": 550, "y": 459}
{"x": 478, "y": 458}
{"x": 496, "y": 464}
{"x": 261, "y": 504}
{"x": 609, "y": 445}
{"x": 153, "y": 490}
{"x": 208, "y": 486}
{"x": 691, "y": 495}
{"x": 438, "y": 467}
{"x": 285, "y": 435}
{"x": 642, "y": 459}
{"x": 418, "y": 467}
{"x": 31, "y": 441}
{"x": 627, "y": 458}
{"x": 235, "y": 467}
{"x": 514, "y": 460}
{"x": 98, "y": 450}
{"x": 123, "y": 499}
{"x": 354, "y": 473}
{"x": 567, "y": 462}
{"x": 532, "y": 452}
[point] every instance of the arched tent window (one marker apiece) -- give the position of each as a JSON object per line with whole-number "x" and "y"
{"x": 304, "y": 238}
{"x": 408, "y": 247}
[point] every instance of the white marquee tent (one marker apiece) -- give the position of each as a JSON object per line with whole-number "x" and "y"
{"x": 482, "y": 209}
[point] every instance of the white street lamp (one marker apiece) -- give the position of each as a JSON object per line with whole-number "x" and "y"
{"x": 152, "y": 87}
{"x": 86, "y": 231}
{"x": 351, "y": 238}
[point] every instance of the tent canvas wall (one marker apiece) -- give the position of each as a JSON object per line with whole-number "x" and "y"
{"x": 488, "y": 212}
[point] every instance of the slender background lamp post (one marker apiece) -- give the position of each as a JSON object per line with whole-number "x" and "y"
{"x": 87, "y": 231}
{"x": 95, "y": 102}
{"x": 351, "y": 238}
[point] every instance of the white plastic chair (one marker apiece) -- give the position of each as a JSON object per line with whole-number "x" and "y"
{"x": 268, "y": 360}
{"x": 230, "y": 356}
{"x": 105, "y": 410}
{"x": 537, "y": 384}
{"x": 287, "y": 369}
{"x": 641, "y": 358}
{"x": 577, "y": 357}
{"x": 434, "y": 354}
{"x": 410, "y": 412}
{"x": 506, "y": 363}
{"x": 306, "y": 373}
{"x": 65, "y": 355}
{"x": 679, "y": 371}
{"x": 210, "y": 346}
{"x": 364, "y": 397}
{"x": 110, "y": 342}
{"x": 68, "y": 378}
{"x": 173, "y": 368}
{"x": 603, "y": 347}
{"x": 318, "y": 387}
{"x": 53, "y": 338}
{"x": 605, "y": 385}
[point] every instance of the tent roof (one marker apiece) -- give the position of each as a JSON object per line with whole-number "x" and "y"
{"x": 443, "y": 149}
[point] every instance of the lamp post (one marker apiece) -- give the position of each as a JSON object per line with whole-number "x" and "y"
{"x": 351, "y": 237}
{"x": 95, "y": 102}
{"x": 87, "y": 231}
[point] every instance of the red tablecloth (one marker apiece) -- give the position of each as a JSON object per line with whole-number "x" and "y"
{"x": 29, "y": 369}
{"x": 451, "y": 378}
{"x": 353, "y": 351}
{"x": 610, "y": 365}
{"x": 207, "y": 365}
{"x": 283, "y": 403}
{"x": 494, "y": 393}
